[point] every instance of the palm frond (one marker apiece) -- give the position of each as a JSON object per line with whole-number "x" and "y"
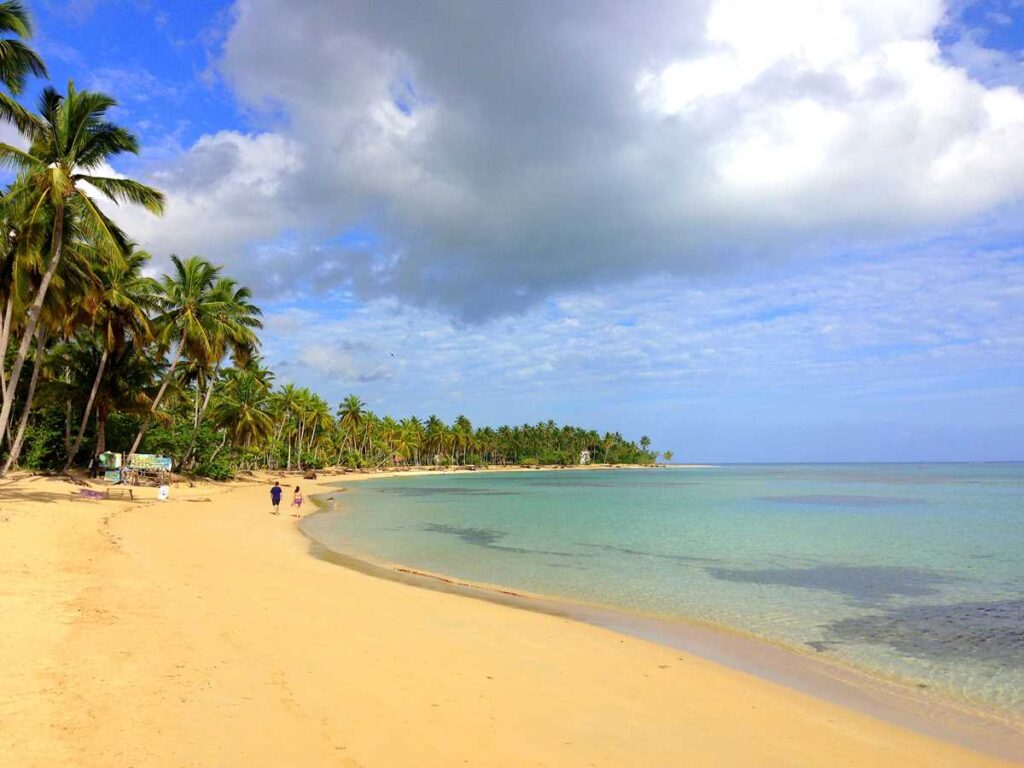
{"x": 17, "y": 61}
{"x": 126, "y": 191}
{"x": 14, "y": 19}
{"x": 17, "y": 159}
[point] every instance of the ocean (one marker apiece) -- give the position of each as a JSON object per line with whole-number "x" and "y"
{"x": 911, "y": 572}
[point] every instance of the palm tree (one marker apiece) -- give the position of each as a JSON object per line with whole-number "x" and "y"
{"x": 49, "y": 201}
{"x": 462, "y": 434}
{"x": 319, "y": 421}
{"x": 127, "y": 386}
{"x": 189, "y": 310}
{"x": 285, "y": 403}
{"x": 37, "y": 365}
{"x": 303, "y": 406}
{"x": 72, "y": 292}
{"x": 351, "y": 415}
{"x": 412, "y": 437}
{"x": 434, "y": 438}
{"x": 243, "y": 406}
{"x": 17, "y": 61}
{"x": 122, "y": 311}
{"x": 232, "y": 332}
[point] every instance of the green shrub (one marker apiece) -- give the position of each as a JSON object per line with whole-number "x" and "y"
{"x": 43, "y": 449}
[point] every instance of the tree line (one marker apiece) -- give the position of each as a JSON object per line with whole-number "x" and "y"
{"x": 98, "y": 355}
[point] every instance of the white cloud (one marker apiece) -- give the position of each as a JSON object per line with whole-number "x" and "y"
{"x": 502, "y": 154}
{"x": 226, "y": 191}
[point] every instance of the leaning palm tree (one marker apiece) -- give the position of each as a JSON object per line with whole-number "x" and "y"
{"x": 126, "y": 297}
{"x": 18, "y": 438}
{"x": 131, "y": 379}
{"x": 17, "y": 61}
{"x": 51, "y": 199}
{"x": 187, "y": 318}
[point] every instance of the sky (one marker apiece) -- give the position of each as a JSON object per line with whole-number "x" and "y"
{"x": 753, "y": 231}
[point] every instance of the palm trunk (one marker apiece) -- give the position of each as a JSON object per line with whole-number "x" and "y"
{"x": 101, "y": 431}
{"x": 19, "y": 439}
{"x": 33, "y": 319}
{"x": 88, "y": 409}
{"x": 156, "y": 402}
{"x": 217, "y": 450}
{"x": 67, "y": 425}
{"x": 200, "y": 413}
{"x": 5, "y": 336}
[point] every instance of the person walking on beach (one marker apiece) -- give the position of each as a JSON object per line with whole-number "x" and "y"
{"x": 275, "y": 498}
{"x": 297, "y": 501}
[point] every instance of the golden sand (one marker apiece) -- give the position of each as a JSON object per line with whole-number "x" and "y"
{"x": 199, "y": 632}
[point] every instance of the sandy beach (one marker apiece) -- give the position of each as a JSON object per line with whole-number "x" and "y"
{"x": 201, "y": 632}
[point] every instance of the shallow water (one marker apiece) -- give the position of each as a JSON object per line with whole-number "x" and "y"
{"x": 912, "y": 571}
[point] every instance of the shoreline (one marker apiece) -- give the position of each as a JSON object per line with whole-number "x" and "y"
{"x": 200, "y": 631}
{"x": 941, "y": 715}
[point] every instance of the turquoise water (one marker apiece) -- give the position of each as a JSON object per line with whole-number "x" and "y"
{"x": 915, "y": 572}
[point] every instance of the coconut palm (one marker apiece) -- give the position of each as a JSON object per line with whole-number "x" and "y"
{"x": 19, "y": 435}
{"x": 243, "y": 406}
{"x": 17, "y": 61}
{"x": 50, "y": 201}
{"x": 412, "y": 437}
{"x": 351, "y": 417}
{"x": 188, "y": 314}
{"x": 462, "y": 436}
{"x": 127, "y": 386}
{"x": 434, "y": 438}
{"x": 232, "y": 332}
{"x": 285, "y": 404}
{"x": 126, "y": 297}
{"x": 319, "y": 421}
{"x": 73, "y": 295}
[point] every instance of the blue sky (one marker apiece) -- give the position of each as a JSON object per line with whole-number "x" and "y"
{"x": 755, "y": 232}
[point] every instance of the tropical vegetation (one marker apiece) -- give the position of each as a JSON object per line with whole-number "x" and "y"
{"x": 99, "y": 355}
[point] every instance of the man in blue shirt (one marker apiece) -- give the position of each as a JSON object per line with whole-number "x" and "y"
{"x": 275, "y": 497}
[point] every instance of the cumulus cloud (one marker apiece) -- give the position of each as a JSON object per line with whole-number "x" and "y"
{"x": 503, "y": 153}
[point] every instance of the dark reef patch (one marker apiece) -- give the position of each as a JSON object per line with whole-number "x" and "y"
{"x": 489, "y": 538}
{"x": 988, "y": 631}
{"x": 863, "y": 583}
